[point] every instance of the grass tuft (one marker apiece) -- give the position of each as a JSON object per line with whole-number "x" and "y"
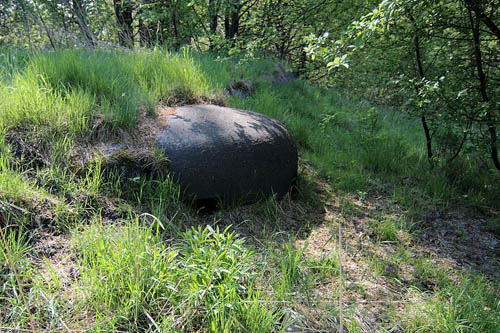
{"x": 133, "y": 279}
{"x": 469, "y": 306}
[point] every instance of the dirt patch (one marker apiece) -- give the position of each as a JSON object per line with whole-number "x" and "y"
{"x": 376, "y": 281}
{"x": 130, "y": 151}
{"x": 163, "y": 113}
{"x": 377, "y": 285}
{"x": 463, "y": 241}
{"x": 55, "y": 260}
{"x": 142, "y": 136}
{"x": 35, "y": 210}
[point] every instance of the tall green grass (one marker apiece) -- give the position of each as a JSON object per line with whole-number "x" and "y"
{"x": 360, "y": 147}
{"x": 66, "y": 90}
{"x": 52, "y": 101}
{"x": 134, "y": 280}
{"x": 15, "y": 269}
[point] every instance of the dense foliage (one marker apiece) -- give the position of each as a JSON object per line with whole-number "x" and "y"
{"x": 438, "y": 60}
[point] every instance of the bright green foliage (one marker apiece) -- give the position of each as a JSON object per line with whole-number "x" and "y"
{"x": 385, "y": 230}
{"x": 134, "y": 280}
{"x": 63, "y": 90}
{"x": 355, "y": 149}
{"x": 52, "y": 102}
{"x": 358, "y": 146}
{"x": 18, "y": 251}
{"x": 325, "y": 268}
{"x": 14, "y": 260}
{"x": 135, "y": 266}
{"x": 291, "y": 273}
{"x": 433, "y": 59}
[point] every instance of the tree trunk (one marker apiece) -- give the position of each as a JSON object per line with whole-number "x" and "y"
{"x": 232, "y": 20}
{"x": 303, "y": 59}
{"x": 44, "y": 26}
{"x": 143, "y": 30}
{"x": 123, "y": 12}
{"x": 145, "y": 34}
{"x": 420, "y": 69}
{"x": 235, "y": 22}
{"x": 480, "y": 14}
{"x": 212, "y": 11}
{"x": 80, "y": 16}
{"x": 227, "y": 27}
{"x": 483, "y": 89}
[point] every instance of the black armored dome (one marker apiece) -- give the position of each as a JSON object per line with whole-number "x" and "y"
{"x": 222, "y": 153}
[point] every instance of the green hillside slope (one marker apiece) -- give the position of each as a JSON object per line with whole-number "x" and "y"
{"x": 370, "y": 225}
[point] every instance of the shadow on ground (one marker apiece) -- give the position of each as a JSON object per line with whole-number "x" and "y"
{"x": 293, "y": 216}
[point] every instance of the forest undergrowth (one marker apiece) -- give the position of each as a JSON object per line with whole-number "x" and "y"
{"x": 371, "y": 235}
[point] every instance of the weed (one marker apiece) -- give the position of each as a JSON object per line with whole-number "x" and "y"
{"x": 17, "y": 243}
{"x": 325, "y": 268}
{"x": 428, "y": 275}
{"x": 390, "y": 229}
{"x": 291, "y": 271}
{"x": 385, "y": 230}
{"x": 469, "y": 306}
{"x": 133, "y": 278}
